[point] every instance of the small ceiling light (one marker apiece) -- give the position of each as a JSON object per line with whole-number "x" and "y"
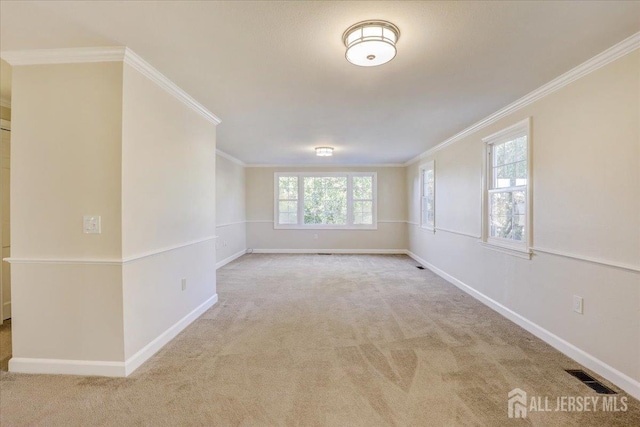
{"x": 324, "y": 151}
{"x": 371, "y": 43}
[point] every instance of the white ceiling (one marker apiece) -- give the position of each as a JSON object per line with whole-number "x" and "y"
{"x": 275, "y": 72}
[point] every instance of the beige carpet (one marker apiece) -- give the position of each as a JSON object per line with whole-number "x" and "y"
{"x": 338, "y": 340}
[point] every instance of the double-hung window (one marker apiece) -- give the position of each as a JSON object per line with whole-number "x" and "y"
{"x": 428, "y": 196}
{"x": 507, "y": 195}
{"x": 325, "y": 200}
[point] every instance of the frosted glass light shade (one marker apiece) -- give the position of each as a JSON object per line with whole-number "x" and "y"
{"x": 324, "y": 151}
{"x": 371, "y": 43}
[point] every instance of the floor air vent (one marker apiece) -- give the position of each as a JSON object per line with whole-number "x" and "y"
{"x": 420, "y": 267}
{"x": 588, "y": 380}
{"x": 321, "y": 253}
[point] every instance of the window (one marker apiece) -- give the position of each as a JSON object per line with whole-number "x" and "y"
{"x": 428, "y": 196}
{"x": 325, "y": 200}
{"x": 507, "y": 198}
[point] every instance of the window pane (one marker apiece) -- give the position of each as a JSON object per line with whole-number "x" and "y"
{"x": 521, "y": 148}
{"x": 501, "y": 204}
{"x": 521, "y": 173}
{"x": 288, "y": 187}
{"x": 501, "y": 226}
{"x": 325, "y": 200}
{"x": 363, "y": 212}
{"x": 425, "y": 210}
{"x": 519, "y": 203}
{"x": 288, "y": 207}
{"x": 288, "y": 218}
{"x": 518, "y": 227}
{"x": 498, "y": 155}
{"x": 363, "y": 187}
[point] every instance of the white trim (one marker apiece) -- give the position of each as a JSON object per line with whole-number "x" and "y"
{"x": 349, "y": 175}
{"x": 391, "y": 221}
{"x": 108, "y": 368}
{"x": 592, "y": 260}
{"x": 154, "y": 346}
{"x": 66, "y": 261}
{"x": 230, "y": 158}
{"x": 107, "y": 54}
{"x": 460, "y": 233}
{"x": 520, "y": 252}
{"x": 613, "y": 53}
{"x": 620, "y": 379}
{"x": 227, "y": 224}
{"x": 332, "y": 166}
{"x": 228, "y": 259}
{"x": 413, "y": 223}
{"x": 166, "y": 249}
{"x": 146, "y": 69}
{"x": 427, "y": 166}
{"x": 330, "y": 251}
{"x": 259, "y": 220}
{"x": 6, "y": 311}
{"x": 4, "y": 102}
{"x": 521, "y": 249}
{"x": 26, "y": 365}
{"x": 64, "y": 56}
{"x": 107, "y": 261}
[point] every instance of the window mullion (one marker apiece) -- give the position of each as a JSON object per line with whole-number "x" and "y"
{"x": 349, "y": 200}
{"x": 300, "y": 200}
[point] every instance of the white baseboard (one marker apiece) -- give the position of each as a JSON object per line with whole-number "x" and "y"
{"x": 228, "y": 259}
{"x": 108, "y": 368}
{"x": 618, "y": 378}
{"x": 100, "y": 368}
{"x": 152, "y": 348}
{"x": 330, "y": 251}
{"x": 6, "y": 310}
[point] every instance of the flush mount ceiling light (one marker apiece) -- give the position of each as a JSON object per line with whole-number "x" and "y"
{"x": 371, "y": 43}
{"x": 324, "y": 151}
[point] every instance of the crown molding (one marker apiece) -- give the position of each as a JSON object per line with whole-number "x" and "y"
{"x": 106, "y": 54}
{"x": 4, "y": 102}
{"x": 63, "y": 56}
{"x": 230, "y": 158}
{"x": 333, "y": 166}
{"x": 615, "y": 52}
{"x": 143, "y": 67}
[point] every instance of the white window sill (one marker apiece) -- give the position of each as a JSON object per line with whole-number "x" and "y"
{"x": 428, "y": 228}
{"x": 520, "y": 252}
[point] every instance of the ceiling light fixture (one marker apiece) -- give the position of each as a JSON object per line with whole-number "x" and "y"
{"x": 371, "y": 43}
{"x": 324, "y": 151}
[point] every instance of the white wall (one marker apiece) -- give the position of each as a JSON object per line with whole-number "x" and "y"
{"x": 168, "y": 210}
{"x": 66, "y": 162}
{"x": 230, "y": 210}
{"x": 392, "y": 204}
{"x": 586, "y": 199}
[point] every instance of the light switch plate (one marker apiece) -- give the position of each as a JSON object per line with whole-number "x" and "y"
{"x": 578, "y": 304}
{"x": 91, "y": 224}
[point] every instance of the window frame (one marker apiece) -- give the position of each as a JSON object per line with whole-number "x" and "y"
{"x": 431, "y": 165}
{"x": 300, "y": 225}
{"x": 522, "y": 249}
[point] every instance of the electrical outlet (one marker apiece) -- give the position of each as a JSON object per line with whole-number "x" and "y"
{"x": 578, "y": 304}
{"x": 184, "y": 284}
{"x": 91, "y": 224}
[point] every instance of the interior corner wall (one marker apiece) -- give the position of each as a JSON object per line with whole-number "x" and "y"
{"x": 230, "y": 211}
{"x": 168, "y": 213}
{"x": 66, "y": 150}
{"x": 586, "y": 199}
{"x": 390, "y": 236}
